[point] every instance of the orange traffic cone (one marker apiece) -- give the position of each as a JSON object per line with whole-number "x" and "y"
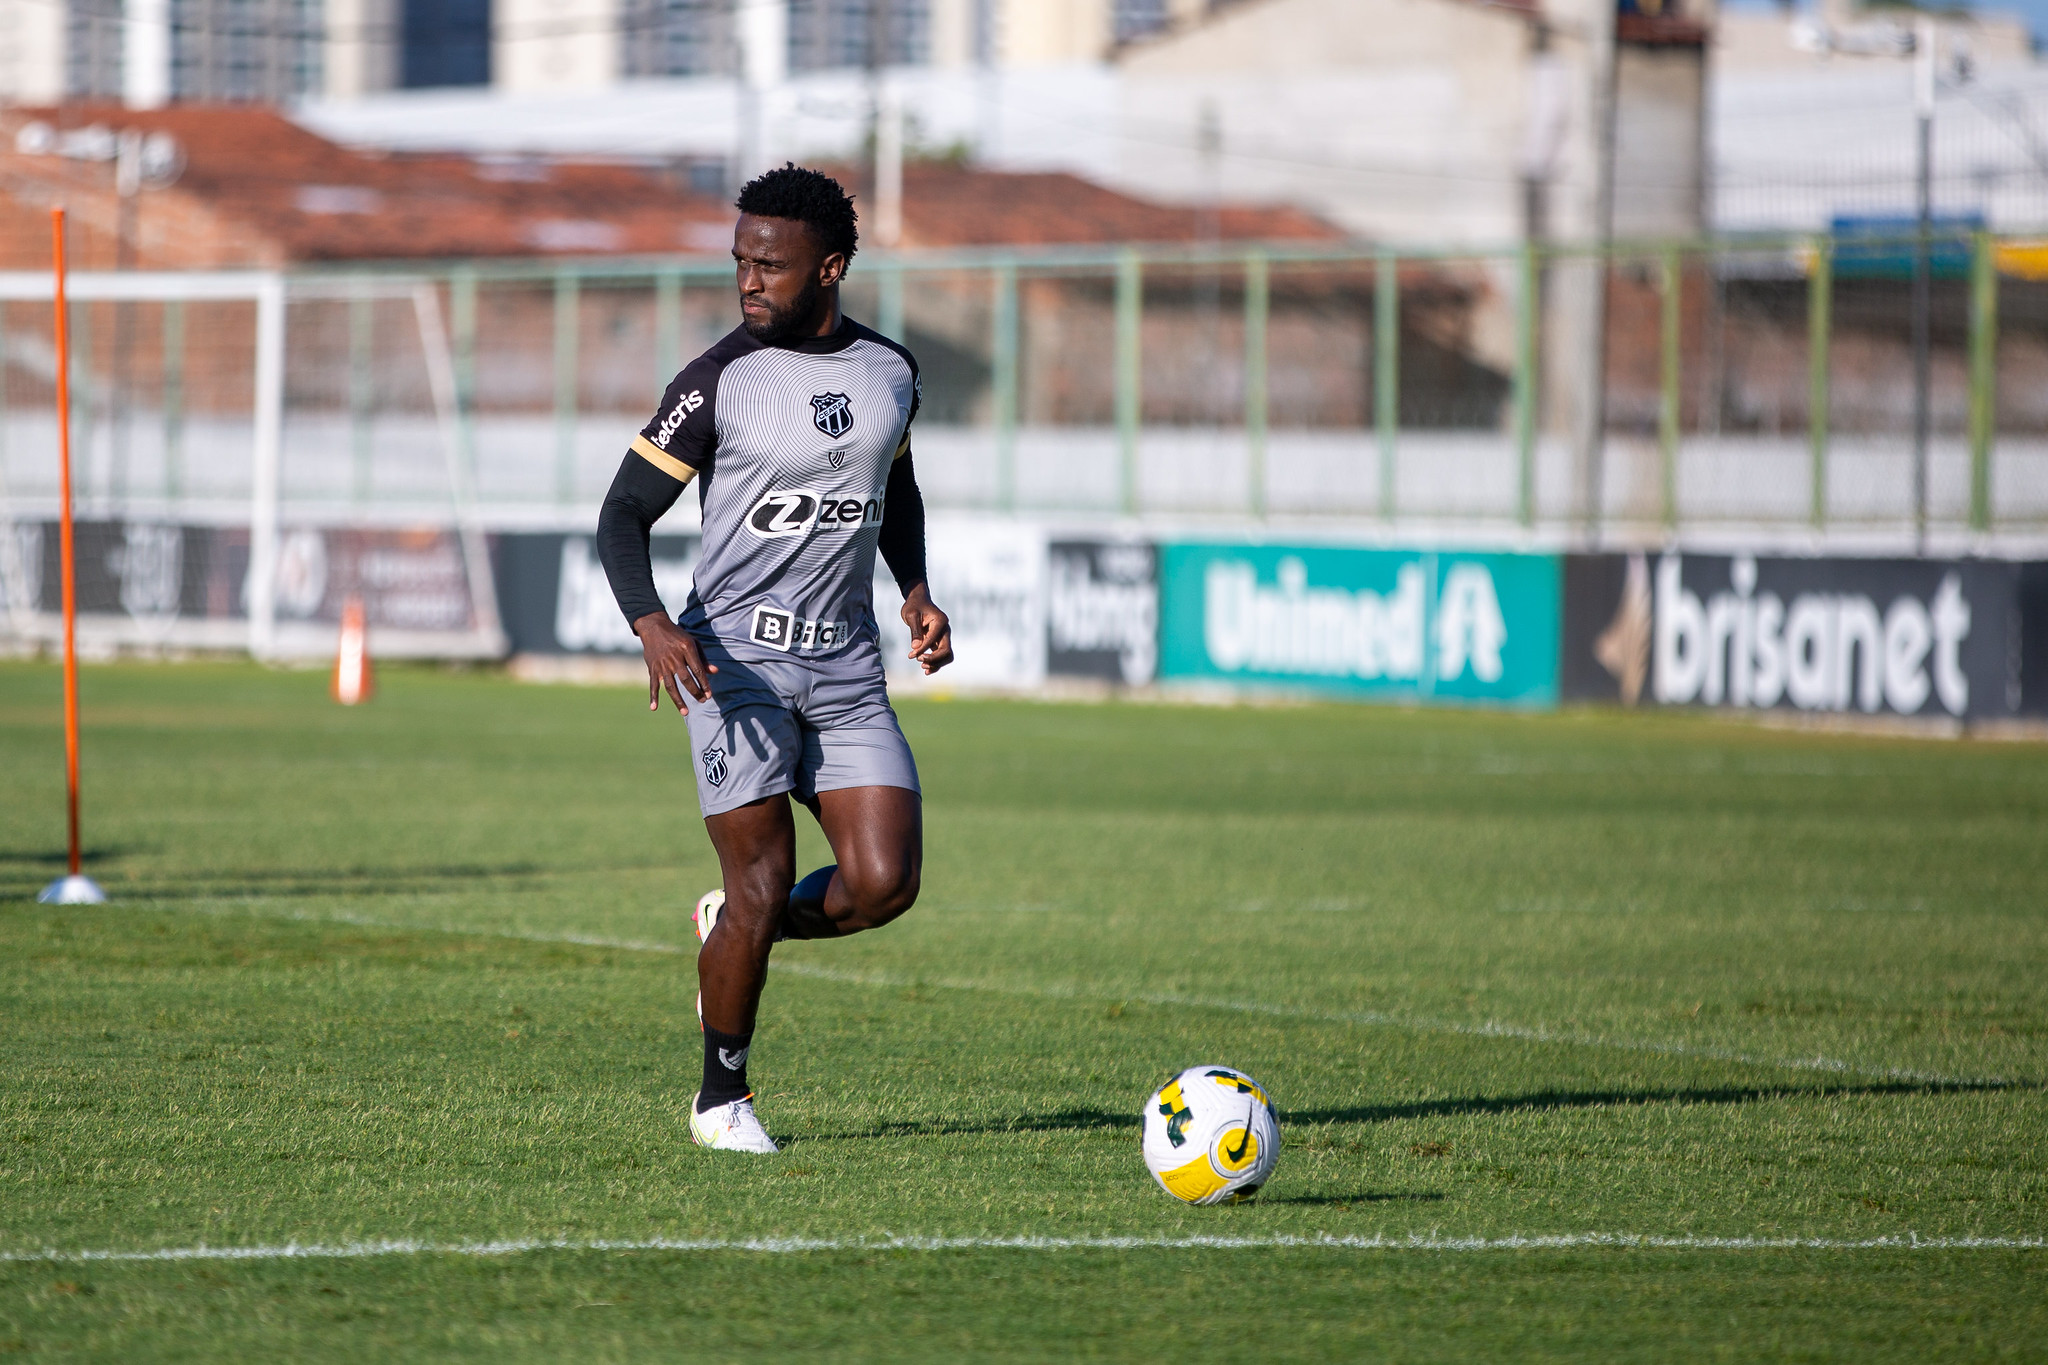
{"x": 352, "y": 682}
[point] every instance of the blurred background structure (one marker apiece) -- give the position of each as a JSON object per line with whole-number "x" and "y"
{"x": 1534, "y": 273}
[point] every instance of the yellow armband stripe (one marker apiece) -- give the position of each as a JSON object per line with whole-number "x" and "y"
{"x": 902, "y": 446}
{"x": 662, "y": 460}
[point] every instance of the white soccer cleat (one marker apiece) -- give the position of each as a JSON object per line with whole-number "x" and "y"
{"x": 710, "y": 906}
{"x": 730, "y": 1128}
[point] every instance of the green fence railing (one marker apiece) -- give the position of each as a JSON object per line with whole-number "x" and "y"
{"x": 1753, "y": 380}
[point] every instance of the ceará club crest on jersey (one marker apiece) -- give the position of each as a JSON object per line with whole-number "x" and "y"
{"x": 833, "y": 412}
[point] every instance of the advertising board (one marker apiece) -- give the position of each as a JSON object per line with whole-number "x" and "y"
{"x": 1102, "y": 610}
{"x": 1908, "y": 637}
{"x": 408, "y": 580}
{"x": 988, "y": 575}
{"x": 1375, "y": 623}
{"x": 144, "y": 570}
{"x": 554, "y": 598}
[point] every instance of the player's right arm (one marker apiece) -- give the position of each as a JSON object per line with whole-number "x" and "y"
{"x": 664, "y": 457}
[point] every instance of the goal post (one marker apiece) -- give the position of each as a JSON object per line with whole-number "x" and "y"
{"x": 207, "y": 517}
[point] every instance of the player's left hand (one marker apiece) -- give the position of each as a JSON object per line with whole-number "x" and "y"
{"x": 931, "y": 634}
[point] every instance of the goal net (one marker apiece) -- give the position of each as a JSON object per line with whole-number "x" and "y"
{"x": 236, "y": 480}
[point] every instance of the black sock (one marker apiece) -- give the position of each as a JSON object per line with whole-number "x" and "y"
{"x": 725, "y": 1068}
{"x": 805, "y": 917}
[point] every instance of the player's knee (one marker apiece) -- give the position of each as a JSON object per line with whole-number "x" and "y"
{"x": 880, "y": 893}
{"x": 755, "y": 901}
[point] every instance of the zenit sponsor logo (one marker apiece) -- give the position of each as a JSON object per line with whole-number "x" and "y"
{"x": 796, "y": 511}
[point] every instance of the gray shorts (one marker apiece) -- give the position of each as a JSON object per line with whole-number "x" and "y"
{"x": 795, "y": 725}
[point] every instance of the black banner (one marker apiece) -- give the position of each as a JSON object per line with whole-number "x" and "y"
{"x": 140, "y": 569}
{"x": 1102, "y": 610}
{"x": 1907, "y": 637}
{"x": 407, "y": 579}
{"x": 554, "y": 599}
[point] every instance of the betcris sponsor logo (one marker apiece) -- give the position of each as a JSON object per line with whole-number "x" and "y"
{"x": 685, "y": 405}
{"x": 798, "y": 511}
{"x": 1396, "y": 624}
{"x": 1869, "y": 636}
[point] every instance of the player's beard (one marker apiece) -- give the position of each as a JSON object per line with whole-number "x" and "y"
{"x": 782, "y": 323}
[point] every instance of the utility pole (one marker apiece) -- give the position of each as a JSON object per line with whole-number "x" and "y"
{"x": 889, "y": 165}
{"x": 764, "y": 62}
{"x": 885, "y": 129}
{"x": 127, "y": 185}
{"x": 1923, "y": 272}
{"x": 1591, "y": 414}
{"x": 1208, "y": 240}
{"x": 1889, "y": 40}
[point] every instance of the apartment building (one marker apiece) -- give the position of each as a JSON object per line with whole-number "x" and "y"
{"x": 152, "y": 52}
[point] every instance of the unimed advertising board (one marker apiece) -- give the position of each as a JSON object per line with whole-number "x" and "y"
{"x": 1381, "y": 623}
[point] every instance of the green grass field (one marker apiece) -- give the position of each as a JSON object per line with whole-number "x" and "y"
{"x": 416, "y": 974}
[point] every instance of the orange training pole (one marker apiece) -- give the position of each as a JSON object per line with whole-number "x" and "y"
{"x": 64, "y": 535}
{"x": 76, "y": 889}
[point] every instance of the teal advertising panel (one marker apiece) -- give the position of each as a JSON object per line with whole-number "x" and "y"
{"x": 1399, "y": 625}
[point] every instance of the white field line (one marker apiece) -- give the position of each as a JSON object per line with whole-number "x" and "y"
{"x": 1363, "y": 1018}
{"x": 1624, "y": 1241}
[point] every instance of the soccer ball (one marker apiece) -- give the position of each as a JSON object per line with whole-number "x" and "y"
{"x": 1211, "y": 1136}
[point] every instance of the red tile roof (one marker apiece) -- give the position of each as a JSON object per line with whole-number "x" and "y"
{"x": 312, "y": 200}
{"x": 257, "y": 189}
{"x": 949, "y": 205}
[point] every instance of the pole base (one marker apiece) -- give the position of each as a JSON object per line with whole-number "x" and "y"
{"x": 72, "y": 891}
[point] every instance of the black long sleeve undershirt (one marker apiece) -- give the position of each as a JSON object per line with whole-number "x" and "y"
{"x": 902, "y": 538}
{"x": 640, "y": 494}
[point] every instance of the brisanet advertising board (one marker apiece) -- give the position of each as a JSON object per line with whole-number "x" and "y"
{"x": 1911, "y": 637}
{"x": 1390, "y": 624}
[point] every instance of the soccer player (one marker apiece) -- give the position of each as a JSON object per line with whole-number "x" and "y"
{"x": 796, "y": 429}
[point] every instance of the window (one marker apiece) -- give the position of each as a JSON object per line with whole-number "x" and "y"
{"x": 840, "y": 33}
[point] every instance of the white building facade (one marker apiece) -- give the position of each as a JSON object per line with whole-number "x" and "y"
{"x": 150, "y": 52}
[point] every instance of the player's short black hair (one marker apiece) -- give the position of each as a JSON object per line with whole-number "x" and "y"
{"x": 811, "y": 198}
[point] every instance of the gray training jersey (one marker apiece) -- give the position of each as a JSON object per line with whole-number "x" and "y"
{"x": 791, "y": 447}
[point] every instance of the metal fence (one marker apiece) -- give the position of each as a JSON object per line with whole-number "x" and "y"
{"x": 1762, "y": 385}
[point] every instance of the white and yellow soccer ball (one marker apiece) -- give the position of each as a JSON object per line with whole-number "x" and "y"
{"x": 1211, "y": 1136}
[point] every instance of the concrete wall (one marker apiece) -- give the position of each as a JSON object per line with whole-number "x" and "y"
{"x": 1051, "y": 32}
{"x": 1760, "y": 40}
{"x": 362, "y": 47}
{"x": 545, "y": 45}
{"x": 1399, "y": 119}
{"x": 31, "y": 52}
{"x": 1660, "y": 143}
